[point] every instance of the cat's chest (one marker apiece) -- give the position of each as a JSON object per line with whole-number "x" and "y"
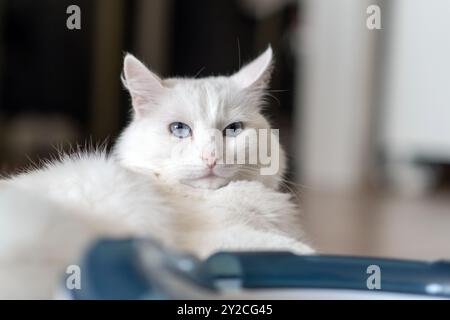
{"x": 196, "y": 211}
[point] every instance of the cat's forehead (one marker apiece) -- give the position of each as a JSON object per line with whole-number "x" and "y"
{"x": 202, "y": 87}
{"x": 212, "y": 100}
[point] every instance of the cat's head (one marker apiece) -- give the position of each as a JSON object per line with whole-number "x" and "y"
{"x": 201, "y": 132}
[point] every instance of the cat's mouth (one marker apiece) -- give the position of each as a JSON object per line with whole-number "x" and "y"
{"x": 209, "y": 180}
{"x": 210, "y": 174}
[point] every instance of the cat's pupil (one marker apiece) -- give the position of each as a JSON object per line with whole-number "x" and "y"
{"x": 180, "y": 130}
{"x": 233, "y": 129}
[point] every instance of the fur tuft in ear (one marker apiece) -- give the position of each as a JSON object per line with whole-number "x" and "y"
{"x": 257, "y": 73}
{"x": 145, "y": 87}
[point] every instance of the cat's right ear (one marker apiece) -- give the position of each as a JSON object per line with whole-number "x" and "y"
{"x": 145, "y": 87}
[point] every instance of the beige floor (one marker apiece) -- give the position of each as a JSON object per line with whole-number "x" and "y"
{"x": 379, "y": 225}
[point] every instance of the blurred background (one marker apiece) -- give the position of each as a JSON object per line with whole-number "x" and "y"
{"x": 363, "y": 114}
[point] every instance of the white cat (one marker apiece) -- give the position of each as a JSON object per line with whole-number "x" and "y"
{"x": 166, "y": 179}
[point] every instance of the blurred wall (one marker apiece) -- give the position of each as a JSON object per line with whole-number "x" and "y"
{"x": 335, "y": 115}
{"x": 414, "y": 130}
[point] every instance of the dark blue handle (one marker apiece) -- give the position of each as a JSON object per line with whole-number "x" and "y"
{"x": 115, "y": 269}
{"x": 286, "y": 270}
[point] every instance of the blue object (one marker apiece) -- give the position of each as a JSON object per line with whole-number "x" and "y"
{"x": 141, "y": 269}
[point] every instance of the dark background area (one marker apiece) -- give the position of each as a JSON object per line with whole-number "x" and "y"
{"x": 46, "y": 67}
{"x": 49, "y": 72}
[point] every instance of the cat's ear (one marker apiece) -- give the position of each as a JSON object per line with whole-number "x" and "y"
{"x": 145, "y": 86}
{"x": 255, "y": 74}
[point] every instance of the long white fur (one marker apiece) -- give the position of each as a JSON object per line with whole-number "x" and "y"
{"x": 50, "y": 215}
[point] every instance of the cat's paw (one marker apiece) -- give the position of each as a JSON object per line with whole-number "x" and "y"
{"x": 249, "y": 238}
{"x": 252, "y": 203}
{"x": 253, "y": 196}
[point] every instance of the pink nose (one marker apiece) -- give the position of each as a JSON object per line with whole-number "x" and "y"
{"x": 209, "y": 158}
{"x": 211, "y": 163}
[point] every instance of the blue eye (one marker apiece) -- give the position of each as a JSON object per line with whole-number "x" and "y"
{"x": 233, "y": 129}
{"x": 180, "y": 130}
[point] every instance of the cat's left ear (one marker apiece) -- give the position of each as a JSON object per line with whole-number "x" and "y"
{"x": 145, "y": 86}
{"x": 255, "y": 74}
